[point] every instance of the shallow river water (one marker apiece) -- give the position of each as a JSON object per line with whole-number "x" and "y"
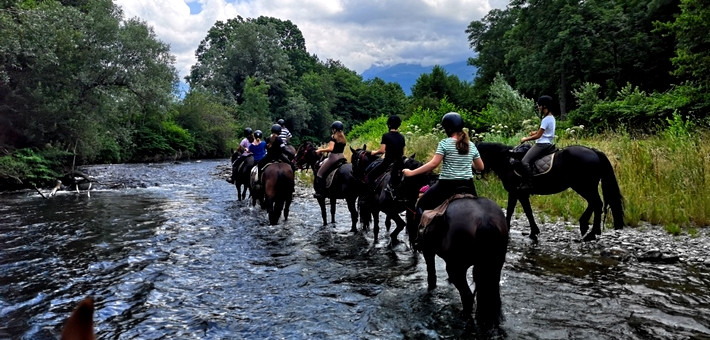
{"x": 178, "y": 257}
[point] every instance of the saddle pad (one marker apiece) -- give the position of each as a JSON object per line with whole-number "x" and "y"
{"x": 331, "y": 176}
{"x": 542, "y": 165}
{"x": 425, "y": 225}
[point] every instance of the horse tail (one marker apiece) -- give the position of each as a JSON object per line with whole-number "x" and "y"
{"x": 493, "y": 244}
{"x": 364, "y": 209}
{"x": 611, "y": 192}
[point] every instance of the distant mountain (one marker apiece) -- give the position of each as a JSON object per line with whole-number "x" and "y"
{"x": 407, "y": 74}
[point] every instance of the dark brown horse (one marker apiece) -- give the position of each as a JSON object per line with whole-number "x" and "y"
{"x": 275, "y": 190}
{"x": 472, "y": 232}
{"x": 576, "y": 167}
{"x": 343, "y": 186}
{"x": 379, "y": 198}
{"x": 241, "y": 173}
{"x": 306, "y": 157}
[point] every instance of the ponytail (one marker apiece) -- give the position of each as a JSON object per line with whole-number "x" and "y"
{"x": 462, "y": 143}
{"x": 339, "y": 137}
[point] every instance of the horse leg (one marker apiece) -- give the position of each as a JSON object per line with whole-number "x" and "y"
{"x": 534, "y": 230}
{"x": 457, "y": 276}
{"x": 594, "y": 206}
{"x": 287, "y": 207}
{"x": 430, "y": 268}
{"x": 375, "y": 222}
{"x": 400, "y": 223}
{"x": 332, "y": 209}
{"x": 321, "y": 203}
{"x": 512, "y": 200}
{"x": 353, "y": 213}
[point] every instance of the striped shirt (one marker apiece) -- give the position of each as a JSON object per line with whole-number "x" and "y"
{"x": 455, "y": 165}
{"x": 285, "y": 134}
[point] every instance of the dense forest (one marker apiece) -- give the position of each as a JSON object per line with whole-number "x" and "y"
{"x": 80, "y": 83}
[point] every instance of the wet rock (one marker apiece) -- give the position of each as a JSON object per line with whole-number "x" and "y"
{"x": 658, "y": 257}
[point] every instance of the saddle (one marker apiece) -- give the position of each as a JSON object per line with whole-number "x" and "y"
{"x": 333, "y": 170}
{"x": 540, "y": 166}
{"x": 430, "y": 218}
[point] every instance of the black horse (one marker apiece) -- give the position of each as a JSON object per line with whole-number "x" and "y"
{"x": 241, "y": 173}
{"x": 343, "y": 186}
{"x": 576, "y": 167}
{"x": 470, "y": 232}
{"x": 306, "y": 157}
{"x": 275, "y": 190}
{"x": 379, "y": 198}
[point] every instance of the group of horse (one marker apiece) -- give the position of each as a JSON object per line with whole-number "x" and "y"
{"x": 471, "y": 231}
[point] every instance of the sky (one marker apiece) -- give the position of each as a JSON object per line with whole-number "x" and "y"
{"x": 358, "y": 33}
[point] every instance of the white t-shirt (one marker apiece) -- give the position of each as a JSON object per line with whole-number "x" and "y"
{"x": 548, "y": 125}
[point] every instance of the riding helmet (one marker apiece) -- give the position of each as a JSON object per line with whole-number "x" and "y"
{"x": 545, "y": 101}
{"x": 337, "y": 126}
{"x": 258, "y": 134}
{"x": 276, "y": 128}
{"x": 452, "y": 122}
{"x": 281, "y": 122}
{"x": 248, "y": 131}
{"x": 393, "y": 122}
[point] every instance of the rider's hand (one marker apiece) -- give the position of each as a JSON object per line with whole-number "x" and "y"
{"x": 407, "y": 172}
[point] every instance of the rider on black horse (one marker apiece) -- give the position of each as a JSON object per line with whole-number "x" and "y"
{"x": 392, "y": 145}
{"x": 336, "y": 147}
{"x": 244, "y": 144}
{"x": 543, "y": 137}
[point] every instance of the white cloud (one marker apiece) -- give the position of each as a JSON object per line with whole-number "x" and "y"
{"x": 358, "y": 33}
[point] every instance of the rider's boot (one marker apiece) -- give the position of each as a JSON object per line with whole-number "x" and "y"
{"x": 526, "y": 181}
{"x": 319, "y": 186}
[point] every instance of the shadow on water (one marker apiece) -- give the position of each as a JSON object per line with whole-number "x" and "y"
{"x": 183, "y": 259}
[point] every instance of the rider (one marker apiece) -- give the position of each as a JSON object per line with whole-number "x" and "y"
{"x": 458, "y": 155}
{"x": 243, "y": 145}
{"x": 284, "y": 134}
{"x": 543, "y": 141}
{"x": 275, "y": 149}
{"x": 336, "y": 147}
{"x": 392, "y": 145}
{"x": 258, "y": 146}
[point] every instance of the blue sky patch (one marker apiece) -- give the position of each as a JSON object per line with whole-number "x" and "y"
{"x": 195, "y": 7}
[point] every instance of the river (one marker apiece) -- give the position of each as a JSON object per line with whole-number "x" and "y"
{"x": 176, "y": 256}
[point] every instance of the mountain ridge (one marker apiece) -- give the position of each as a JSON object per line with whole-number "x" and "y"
{"x": 406, "y": 75}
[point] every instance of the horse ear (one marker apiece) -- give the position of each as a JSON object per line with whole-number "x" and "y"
{"x": 412, "y": 156}
{"x": 364, "y": 147}
{"x": 352, "y": 150}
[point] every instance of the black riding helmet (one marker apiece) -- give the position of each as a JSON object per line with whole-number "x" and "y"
{"x": 281, "y": 122}
{"x": 258, "y": 134}
{"x": 545, "y": 101}
{"x": 452, "y": 122}
{"x": 276, "y": 128}
{"x": 337, "y": 126}
{"x": 393, "y": 122}
{"x": 248, "y": 131}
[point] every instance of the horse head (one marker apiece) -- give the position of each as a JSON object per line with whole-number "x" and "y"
{"x": 360, "y": 159}
{"x": 495, "y": 156}
{"x": 305, "y": 156}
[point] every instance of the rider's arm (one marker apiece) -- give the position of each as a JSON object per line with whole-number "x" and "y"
{"x": 383, "y": 148}
{"x": 429, "y": 166}
{"x": 478, "y": 164}
{"x": 328, "y": 148}
{"x": 533, "y": 135}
